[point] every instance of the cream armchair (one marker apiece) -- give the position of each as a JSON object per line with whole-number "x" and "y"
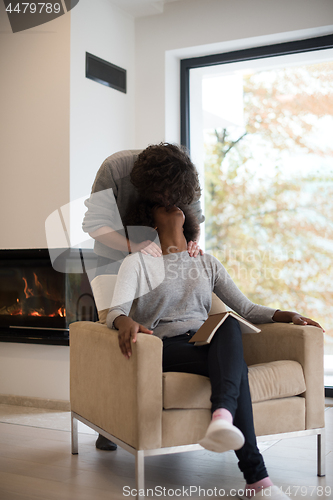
{"x": 148, "y": 412}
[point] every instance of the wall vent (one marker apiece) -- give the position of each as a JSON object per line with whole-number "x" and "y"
{"x": 105, "y": 73}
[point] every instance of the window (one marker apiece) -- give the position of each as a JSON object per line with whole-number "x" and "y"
{"x": 259, "y": 125}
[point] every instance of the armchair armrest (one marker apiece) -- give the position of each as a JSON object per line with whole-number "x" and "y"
{"x": 123, "y": 397}
{"x": 304, "y": 344}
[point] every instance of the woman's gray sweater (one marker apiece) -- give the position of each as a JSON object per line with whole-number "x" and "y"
{"x": 172, "y": 294}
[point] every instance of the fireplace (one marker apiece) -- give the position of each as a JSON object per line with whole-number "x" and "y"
{"x": 37, "y": 303}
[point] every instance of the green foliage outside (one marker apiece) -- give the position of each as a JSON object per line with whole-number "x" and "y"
{"x": 269, "y": 192}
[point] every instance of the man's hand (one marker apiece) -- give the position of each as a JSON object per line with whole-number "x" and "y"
{"x": 127, "y": 333}
{"x": 193, "y": 249}
{"x": 146, "y": 247}
{"x": 293, "y": 317}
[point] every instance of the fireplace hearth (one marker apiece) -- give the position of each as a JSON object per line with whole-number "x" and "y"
{"x": 37, "y": 303}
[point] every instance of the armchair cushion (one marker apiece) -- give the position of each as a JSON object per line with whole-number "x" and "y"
{"x": 304, "y": 344}
{"x": 275, "y": 380}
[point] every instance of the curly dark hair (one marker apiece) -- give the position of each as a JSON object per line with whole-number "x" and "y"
{"x": 164, "y": 173}
{"x": 140, "y": 217}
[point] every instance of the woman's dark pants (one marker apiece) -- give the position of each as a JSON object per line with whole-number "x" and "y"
{"x": 223, "y": 362}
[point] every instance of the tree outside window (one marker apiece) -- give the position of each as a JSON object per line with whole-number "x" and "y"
{"x": 268, "y": 187}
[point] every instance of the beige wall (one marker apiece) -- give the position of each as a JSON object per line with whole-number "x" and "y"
{"x": 34, "y": 371}
{"x": 34, "y": 133}
{"x": 102, "y": 118}
{"x": 34, "y": 159}
{"x": 56, "y": 129}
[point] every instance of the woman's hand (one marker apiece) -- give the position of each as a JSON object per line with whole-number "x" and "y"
{"x": 127, "y": 332}
{"x": 298, "y": 319}
{"x": 293, "y": 317}
{"x": 193, "y": 249}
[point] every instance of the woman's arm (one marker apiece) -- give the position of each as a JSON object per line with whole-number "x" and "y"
{"x": 229, "y": 293}
{"x": 127, "y": 333}
{"x": 128, "y": 287}
{"x": 294, "y": 317}
{"x": 227, "y": 290}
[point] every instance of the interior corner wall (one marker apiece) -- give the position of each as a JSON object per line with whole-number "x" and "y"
{"x": 102, "y": 118}
{"x": 199, "y": 27}
{"x": 34, "y": 129}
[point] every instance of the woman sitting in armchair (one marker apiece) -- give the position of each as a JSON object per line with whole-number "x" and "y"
{"x": 174, "y": 309}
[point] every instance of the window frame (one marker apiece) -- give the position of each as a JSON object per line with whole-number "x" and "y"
{"x": 266, "y": 51}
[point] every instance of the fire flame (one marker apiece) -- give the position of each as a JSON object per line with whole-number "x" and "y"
{"x": 29, "y": 292}
{"x": 62, "y": 312}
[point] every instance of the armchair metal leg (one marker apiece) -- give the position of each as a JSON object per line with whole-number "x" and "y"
{"x": 139, "y": 471}
{"x": 321, "y": 453}
{"x": 75, "y": 444}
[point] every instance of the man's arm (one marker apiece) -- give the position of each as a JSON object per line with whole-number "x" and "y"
{"x": 197, "y": 211}
{"x": 102, "y": 204}
{"x": 193, "y": 218}
{"x": 113, "y": 239}
{"x": 102, "y": 221}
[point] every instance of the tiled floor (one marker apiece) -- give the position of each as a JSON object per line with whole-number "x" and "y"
{"x": 36, "y": 463}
